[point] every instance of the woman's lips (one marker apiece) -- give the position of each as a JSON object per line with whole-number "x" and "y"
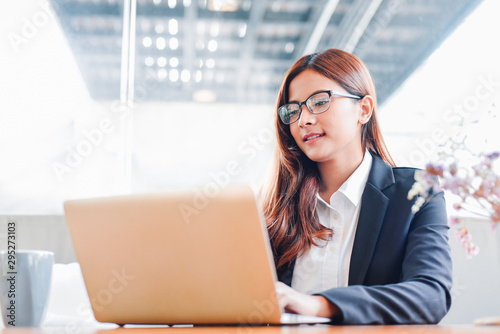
{"x": 311, "y": 137}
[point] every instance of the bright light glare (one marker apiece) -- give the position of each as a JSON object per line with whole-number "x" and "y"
{"x": 162, "y": 74}
{"x": 185, "y": 76}
{"x": 173, "y": 26}
{"x": 149, "y": 61}
{"x": 212, "y": 45}
{"x": 242, "y": 30}
{"x": 162, "y": 61}
{"x": 174, "y": 75}
{"x": 174, "y": 62}
{"x": 159, "y": 28}
{"x": 147, "y": 42}
{"x": 210, "y": 63}
{"x": 198, "y": 76}
{"x": 289, "y": 47}
{"x": 173, "y": 43}
{"x": 160, "y": 43}
{"x": 443, "y": 88}
{"x": 214, "y": 29}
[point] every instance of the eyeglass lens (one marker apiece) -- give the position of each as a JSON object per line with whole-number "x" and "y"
{"x": 317, "y": 103}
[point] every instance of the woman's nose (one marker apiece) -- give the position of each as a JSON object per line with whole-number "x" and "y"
{"x": 306, "y": 117}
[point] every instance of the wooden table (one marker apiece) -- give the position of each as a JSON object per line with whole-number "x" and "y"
{"x": 304, "y": 329}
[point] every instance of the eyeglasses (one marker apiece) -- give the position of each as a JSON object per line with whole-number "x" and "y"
{"x": 316, "y": 104}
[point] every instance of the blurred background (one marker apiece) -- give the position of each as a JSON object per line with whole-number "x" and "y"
{"x": 107, "y": 97}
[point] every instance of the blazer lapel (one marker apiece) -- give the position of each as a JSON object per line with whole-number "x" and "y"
{"x": 286, "y": 275}
{"x": 373, "y": 206}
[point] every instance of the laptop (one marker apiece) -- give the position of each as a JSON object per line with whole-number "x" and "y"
{"x": 194, "y": 256}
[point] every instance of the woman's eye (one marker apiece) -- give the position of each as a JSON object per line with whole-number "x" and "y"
{"x": 319, "y": 103}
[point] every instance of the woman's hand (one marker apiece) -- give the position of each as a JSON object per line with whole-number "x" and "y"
{"x": 292, "y": 301}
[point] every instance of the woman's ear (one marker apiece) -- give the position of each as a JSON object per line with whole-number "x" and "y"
{"x": 366, "y": 105}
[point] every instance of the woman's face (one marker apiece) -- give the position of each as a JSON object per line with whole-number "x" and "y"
{"x": 334, "y": 134}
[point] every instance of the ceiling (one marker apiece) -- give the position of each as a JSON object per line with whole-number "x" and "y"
{"x": 232, "y": 51}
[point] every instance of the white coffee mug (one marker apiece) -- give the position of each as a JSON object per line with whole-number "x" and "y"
{"x": 25, "y": 286}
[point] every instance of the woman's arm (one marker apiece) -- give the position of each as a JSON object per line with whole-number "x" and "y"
{"x": 422, "y": 294}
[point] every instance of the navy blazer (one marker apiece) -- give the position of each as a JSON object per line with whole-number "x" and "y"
{"x": 401, "y": 269}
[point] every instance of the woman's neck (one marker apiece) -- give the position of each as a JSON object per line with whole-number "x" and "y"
{"x": 336, "y": 171}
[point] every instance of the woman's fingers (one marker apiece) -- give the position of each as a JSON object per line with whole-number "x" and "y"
{"x": 290, "y": 300}
{"x": 293, "y": 301}
{"x": 281, "y": 294}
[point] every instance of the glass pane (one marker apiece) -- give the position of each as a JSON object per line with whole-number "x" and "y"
{"x": 201, "y": 118}
{"x": 57, "y": 134}
{"x": 206, "y": 75}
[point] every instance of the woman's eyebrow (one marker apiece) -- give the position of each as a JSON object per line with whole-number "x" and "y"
{"x": 317, "y": 91}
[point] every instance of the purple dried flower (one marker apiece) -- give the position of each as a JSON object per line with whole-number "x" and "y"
{"x": 493, "y": 155}
{"x": 478, "y": 188}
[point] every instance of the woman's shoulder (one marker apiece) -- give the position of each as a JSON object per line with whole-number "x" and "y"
{"x": 405, "y": 178}
{"x": 403, "y": 171}
{"x": 405, "y": 174}
{"x": 399, "y": 173}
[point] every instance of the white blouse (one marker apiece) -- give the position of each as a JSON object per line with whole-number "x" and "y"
{"x": 327, "y": 266}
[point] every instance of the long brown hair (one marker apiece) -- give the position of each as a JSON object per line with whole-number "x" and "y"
{"x": 289, "y": 197}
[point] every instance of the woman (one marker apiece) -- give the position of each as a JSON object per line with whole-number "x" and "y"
{"x": 345, "y": 241}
